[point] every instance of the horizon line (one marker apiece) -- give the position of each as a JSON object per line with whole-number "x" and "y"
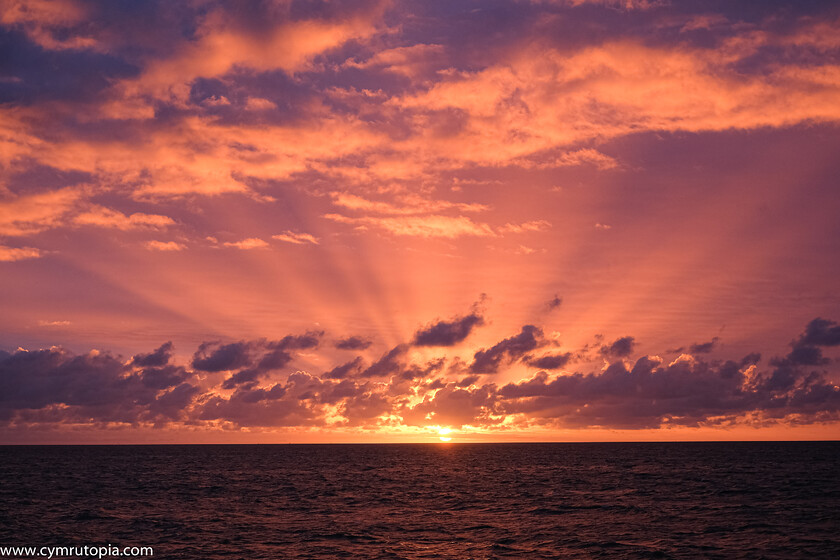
{"x": 438, "y": 443}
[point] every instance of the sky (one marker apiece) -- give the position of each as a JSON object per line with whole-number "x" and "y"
{"x": 365, "y": 221}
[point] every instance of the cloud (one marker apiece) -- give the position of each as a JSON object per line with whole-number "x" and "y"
{"x": 549, "y": 361}
{"x": 305, "y": 341}
{"x": 259, "y": 104}
{"x": 586, "y": 156}
{"x": 412, "y": 215}
{"x": 555, "y": 302}
{"x": 296, "y": 238}
{"x": 353, "y": 343}
{"x": 624, "y": 5}
{"x": 106, "y": 217}
{"x": 650, "y": 395}
{"x": 447, "y": 333}
{"x": 216, "y": 101}
{"x": 29, "y": 214}
{"x": 53, "y": 323}
{"x": 431, "y": 226}
{"x": 705, "y": 347}
{"x": 535, "y": 225}
{"x": 405, "y": 205}
{"x": 57, "y": 388}
{"x": 806, "y": 350}
{"x": 261, "y": 407}
{"x": 391, "y": 363}
{"x": 620, "y": 347}
{"x": 688, "y": 391}
{"x": 301, "y": 400}
{"x": 46, "y": 23}
{"x": 224, "y": 43}
{"x": 411, "y": 61}
{"x": 820, "y": 332}
{"x": 453, "y": 406}
{"x": 12, "y": 254}
{"x": 420, "y": 226}
{"x": 353, "y": 367}
{"x": 165, "y": 246}
{"x": 255, "y": 359}
{"x": 55, "y": 385}
{"x": 33, "y": 213}
{"x": 213, "y": 356}
{"x": 534, "y": 102}
{"x": 247, "y": 377}
{"x": 508, "y": 350}
{"x": 621, "y": 86}
{"x": 583, "y": 156}
{"x": 159, "y": 357}
{"x": 250, "y": 243}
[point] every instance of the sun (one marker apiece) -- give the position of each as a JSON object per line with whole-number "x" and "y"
{"x": 444, "y": 434}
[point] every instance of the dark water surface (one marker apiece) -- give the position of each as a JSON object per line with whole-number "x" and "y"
{"x": 656, "y": 500}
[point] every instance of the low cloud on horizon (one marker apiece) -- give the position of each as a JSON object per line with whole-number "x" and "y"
{"x": 255, "y": 384}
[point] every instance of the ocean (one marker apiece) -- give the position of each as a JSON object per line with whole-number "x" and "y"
{"x": 460, "y": 501}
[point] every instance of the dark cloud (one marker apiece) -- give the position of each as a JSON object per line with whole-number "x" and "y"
{"x": 467, "y": 381}
{"x": 297, "y": 342}
{"x": 340, "y": 372}
{"x": 163, "y": 377}
{"x": 549, "y": 361}
{"x": 447, "y": 333}
{"x": 436, "y": 383}
{"x": 275, "y": 359}
{"x": 301, "y": 400}
{"x": 820, "y": 332}
{"x": 56, "y": 386}
{"x": 751, "y": 359}
{"x": 556, "y": 302}
{"x": 213, "y": 356}
{"x": 510, "y": 349}
{"x": 353, "y": 343}
{"x": 805, "y": 351}
{"x": 260, "y": 408}
{"x": 703, "y": 348}
{"x": 247, "y": 377}
{"x": 255, "y": 359}
{"x": 454, "y": 406}
{"x": 651, "y": 395}
{"x": 159, "y": 357}
{"x": 418, "y": 371}
{"x": 363, "y": 406}
{"x": 172, "y": 403}
{"x": 34, "y": 74}
{"x": 89, "y": 388}
{"x": 805, "y": 356}
{"x": 391, "y": 363}
{"x": 620, "y": 348}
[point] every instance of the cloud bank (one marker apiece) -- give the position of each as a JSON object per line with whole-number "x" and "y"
{"x": 254, "y": 384}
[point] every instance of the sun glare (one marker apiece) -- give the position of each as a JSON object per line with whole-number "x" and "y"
{"x": 444, "y": 434}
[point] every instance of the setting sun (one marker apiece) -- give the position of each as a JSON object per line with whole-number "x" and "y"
{"x": 444, "y": 434}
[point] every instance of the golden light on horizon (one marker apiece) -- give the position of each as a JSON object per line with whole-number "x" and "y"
{"x": 443, "y": 434}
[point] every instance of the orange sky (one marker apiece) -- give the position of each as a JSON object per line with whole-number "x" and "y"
{"x": 368, "y": 221}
